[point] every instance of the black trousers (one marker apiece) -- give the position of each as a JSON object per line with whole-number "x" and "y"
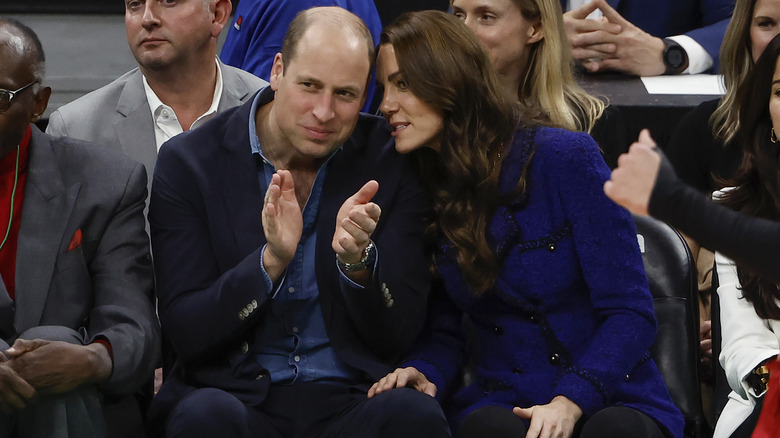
{"x": 309, "y": 410}
{"x": 614, "y": 421}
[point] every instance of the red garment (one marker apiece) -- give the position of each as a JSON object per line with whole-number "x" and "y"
{"x": 769, "y": 421}
{"x": 7, "y": 173}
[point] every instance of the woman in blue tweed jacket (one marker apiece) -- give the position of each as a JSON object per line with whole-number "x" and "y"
{"x": 527, "y": 245}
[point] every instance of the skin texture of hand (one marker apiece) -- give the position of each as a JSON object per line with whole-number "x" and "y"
{"x": 54, "y": 367}
{"x": 553, "y": 420}
{"x": 633, "y": 180}
{"x": 282, "y": 224}
{"x": 705, "y": 340}
{"x": 15, "y": 392}
{"x": 612, "y": 43}
{"x": 402, "y": 378}
{"x": 356, "y": 220}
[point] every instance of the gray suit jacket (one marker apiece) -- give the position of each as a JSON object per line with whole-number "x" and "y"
{"x": 102, "y": 288}
{"x": 118, "y": 116}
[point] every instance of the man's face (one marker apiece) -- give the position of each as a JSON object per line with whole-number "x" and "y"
{"x": 319, "y": 93}
{"x": 162, "y": 33}
{"x": 15, "y": 72}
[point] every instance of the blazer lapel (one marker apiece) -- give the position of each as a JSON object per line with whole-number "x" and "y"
{"x": 234, "y": 90}
{"x": 135, "y": 129}
{"x": 239, "y": 186}
{"x": 46, "y": 209}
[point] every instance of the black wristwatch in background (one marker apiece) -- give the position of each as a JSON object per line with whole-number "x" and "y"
{"x": 675, "y": 57}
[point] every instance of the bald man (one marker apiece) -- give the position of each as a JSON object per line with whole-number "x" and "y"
{"x": 77, "y": 325}
{"x": 288, "y": 244}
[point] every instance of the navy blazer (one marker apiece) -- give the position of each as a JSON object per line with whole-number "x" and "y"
{"x": 703, "y": 20}
{"x": 205, "y": 217}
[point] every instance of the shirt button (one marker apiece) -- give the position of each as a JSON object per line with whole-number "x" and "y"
{"x": 297, "y": 358}
{"x": 295, "y": 329}
{"x": 291, "y": 290}
{"x": 498, "y": 331}
{"x": 244, "y": 347}
{"x": 555, "y": 358}
{"x": 165, "y": 114}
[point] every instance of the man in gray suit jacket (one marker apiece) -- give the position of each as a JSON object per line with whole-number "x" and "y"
{"x": 179, "y": 83}
{"x": 77, "y": 323}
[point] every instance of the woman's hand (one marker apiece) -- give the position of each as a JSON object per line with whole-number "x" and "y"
{"x": 401, "y": 378}
{"x": 553, "y": 420}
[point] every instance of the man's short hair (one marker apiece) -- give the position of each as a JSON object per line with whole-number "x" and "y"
{"x": 32, "y": 44}
{"x": 304, "y": 19}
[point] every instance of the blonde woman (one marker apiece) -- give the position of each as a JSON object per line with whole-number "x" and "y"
{"x": 527, "y": 45}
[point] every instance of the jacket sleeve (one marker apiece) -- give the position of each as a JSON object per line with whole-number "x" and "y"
{"x": 606, "y": 246}
{"x": 123, "y": 281}
{"x": 390, "y": 312}
{"x": 205, "y": 303}
{"x": 747, "y": 340}
{"x": 750, "y": 240}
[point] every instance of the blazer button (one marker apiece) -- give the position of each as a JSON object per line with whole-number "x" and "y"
{"x": 551, "y": 247}
{"x": 517, "y": 370}
{"x": 534, "y": 319}
{"x": 555, "y": 358}
{"x": 244, "y": 347}
{"x": 241, "y": 314}
{"x": 498, "y": 331}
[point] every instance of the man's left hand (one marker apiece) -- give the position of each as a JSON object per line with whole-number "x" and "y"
{"x": 55, "y": 367}
{"x": 630, "y": 50}
{"x": 356, "y": 220}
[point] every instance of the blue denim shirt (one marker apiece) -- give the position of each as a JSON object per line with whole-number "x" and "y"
{"x": 292, "y": 342}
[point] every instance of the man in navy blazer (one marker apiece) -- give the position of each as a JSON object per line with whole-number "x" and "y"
{"x": 289, "y": 255}
{"x": 648, "y": 38}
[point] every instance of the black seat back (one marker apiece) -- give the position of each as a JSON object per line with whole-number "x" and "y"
{"x": 672, "y": 276}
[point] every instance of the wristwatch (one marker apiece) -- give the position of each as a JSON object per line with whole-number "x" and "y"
{"x": 369, "y": 256}
{"x": 675, "y": 57}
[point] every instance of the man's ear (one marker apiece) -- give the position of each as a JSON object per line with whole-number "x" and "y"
{"x": 220, "y": 11}
{"x": 535, "y": 32}
{"x": 41, "y": 102}
{"x": 277, "y": 71}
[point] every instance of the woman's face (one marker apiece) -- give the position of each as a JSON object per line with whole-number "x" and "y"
{"x": 504, "y": 32}
{"x": 764, "y": 25}
{"x": 774, "y": 99}
{"x": 415, "y": 124}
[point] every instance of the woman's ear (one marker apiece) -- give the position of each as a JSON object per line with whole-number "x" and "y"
{"x": 535, "y": 32}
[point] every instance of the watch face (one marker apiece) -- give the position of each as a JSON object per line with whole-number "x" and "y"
{"x": 675, "y": 57}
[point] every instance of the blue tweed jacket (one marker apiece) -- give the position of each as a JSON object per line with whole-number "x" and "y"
{"x": 571, "y": 313}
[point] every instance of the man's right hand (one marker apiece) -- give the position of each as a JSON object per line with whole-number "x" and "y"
{"x": 15, "y": 392}
{"x": 282, "y": 224}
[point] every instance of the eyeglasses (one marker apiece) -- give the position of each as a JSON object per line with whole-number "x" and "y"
{"x": 7, "y": 96}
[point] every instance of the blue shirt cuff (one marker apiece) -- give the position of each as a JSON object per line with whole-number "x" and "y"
{"x": 269, "y": 285}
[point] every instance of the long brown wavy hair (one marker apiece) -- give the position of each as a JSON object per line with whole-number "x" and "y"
{"x": 444, "y": 65}
{"x": 757, "y": 181}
